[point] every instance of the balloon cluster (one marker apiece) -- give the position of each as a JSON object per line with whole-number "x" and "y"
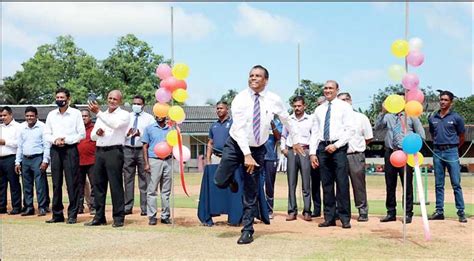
{"x": 411, "y": 103}
{"x": 172, "y": 86}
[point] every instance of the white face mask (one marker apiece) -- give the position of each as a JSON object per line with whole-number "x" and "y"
{"x": 136, "y": 108}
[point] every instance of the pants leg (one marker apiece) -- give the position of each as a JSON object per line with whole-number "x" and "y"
{"x": 114, "y": 166}
{"x": 165, "y": 188}
{"x": 129, "y": 168}
{"x": 156, "y": 173}
{"x": 409, "y": 189}
{"x": 57, "y": 177}
{"x": 270, "y": 175}
{"x": 316, "y": 190}
{"x": 3, "y": 187}
{"x": 39, "y": 177}
{"x": 326, "y": 166}
{"x": 90, "y": 196}
{"x": 292, "y": 175}
{"x": 342, "y": 184}
{"x": 439, "y": 168}
{"x": 391, "y": 174}
{"x": 305, "y": 165}
{"x": 28, "y": 177}
{"x": 100, "y": 184}
{"x": 232, "y": 157}
{"x": 71, "y": 172}
{"x": 357, "y": 174}
{"x": 14, "y": 180}
{"x": 455, "y": 176}
{"x": 81, "y": 186}
{"x": 142, "y": 179}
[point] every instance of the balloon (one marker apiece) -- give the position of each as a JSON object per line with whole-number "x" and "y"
{"x": 172, "y": 137}
{"x": 400, "y": 48}
{"x": 411, "y": 159}
{"x": 410, "y": 81}
{"x": 161, "y": 109}
{"x": 186, "y": 153}
{"x": 181, "y": 84}
{"x": 163, "y": 71}
{"x": 412, "y": 143}
{"x": 180, "y": 71}
{"x": 396, "y": 72}
{"x": 180, "y": 95}
{"x": 394, "y": 103}
{"x": 413, "y": 109}
{"x": 176, "y": 113}
{"x": 162, "y": 150}
{"x": 416, "y": 44}
{"x": 162, "y": 95}
{"x": 398, "y": 158}
{"x": 415, "y": 58}
{"x": 169, "y": 83}
{"x": 415, "y": 95}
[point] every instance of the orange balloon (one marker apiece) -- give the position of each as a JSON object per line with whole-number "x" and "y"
{"x": 161, "y": 109}
{"x": 413, "y": 109}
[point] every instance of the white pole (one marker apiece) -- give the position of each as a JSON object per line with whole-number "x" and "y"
{"x": 405, "y": 119}
{"x": 299, "y": 80}
{"x": 172, "y": 160}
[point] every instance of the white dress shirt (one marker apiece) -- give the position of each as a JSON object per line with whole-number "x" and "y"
{"x": 31, "y": 141}
{"x": 10, "y": 134}
{"x": 341, "y": 125}
{"x": 304, "y": 125}
{"x": 68, "y": 125}
{"x": 242, "y": 113}
{"x": 115, "y": 126}
{"x": 363, "y": 131}
{"x": 144, "y": 119}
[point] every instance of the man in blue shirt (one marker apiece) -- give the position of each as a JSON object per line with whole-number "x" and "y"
{"x": 271, "y": 160}
{"x": 447, "y": 131}
{"x": 218, "y": 133}
{"x": 159, "y": 171}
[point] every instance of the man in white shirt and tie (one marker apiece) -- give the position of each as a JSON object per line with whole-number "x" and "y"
{"x": 133, "y": 155}
{"x": 332, "y": 129}
{"x": 252, "y": 110}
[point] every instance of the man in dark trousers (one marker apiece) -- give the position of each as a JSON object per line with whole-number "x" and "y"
{"x": 86, "y": 164}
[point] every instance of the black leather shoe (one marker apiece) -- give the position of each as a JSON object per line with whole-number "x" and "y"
{"x": 408, "y": 219}
{"x": 28, "y": 212}
{"x": 128, "y": 212}
{"x": 346, "y": 225}
{"x": 327, "y": 224}
{"x": 3, "y": 211}
{"x": 245, "y": 238}
{"x": 71, "y": 221}
{"x": 165, "y": 221}
{"x": 436, "y": 216}
{"x": 234, "y": 186}
{"x": 153, "y": 221}
{"x": 143, "y": 213}
{"x": 363, "y": 218}
{"x": 41, "y": 212}
{"x": 462, "y": 218}
{"x": 95, "y": 222}
{"x": 117, "y": 224}
{"x": 55, "y": 220}
{"x": 388, "y": 218}
{"x": 15, "y": 212}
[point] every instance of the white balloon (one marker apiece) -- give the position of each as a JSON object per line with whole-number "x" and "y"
{"x": 186, "y": 153}
{"x": 416, "y": 43}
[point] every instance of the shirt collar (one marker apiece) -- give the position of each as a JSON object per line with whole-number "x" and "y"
{"x": 305, "y": 116}
{"x": 65, "y": 112}
{"x": 34, "y": 126}
{"x": 262, "y": 93}
{"x": 159, "y": 127}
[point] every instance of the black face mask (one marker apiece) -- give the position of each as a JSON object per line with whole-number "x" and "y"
{"x": 60, "y": 103}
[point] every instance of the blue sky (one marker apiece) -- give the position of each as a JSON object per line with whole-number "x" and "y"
{"x": 347, "y": 42}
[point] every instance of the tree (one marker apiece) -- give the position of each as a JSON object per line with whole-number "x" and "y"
{"x": 229, "y": 96}
{"x": 210, "y": 102}
{"x": 311, "y": 92}
{"x": 465, "y": 107}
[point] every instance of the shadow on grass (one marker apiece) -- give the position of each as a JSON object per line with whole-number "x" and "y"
{"x": 389, "y": 233}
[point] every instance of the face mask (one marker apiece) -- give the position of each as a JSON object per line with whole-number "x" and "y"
{"x": 60, "y": 103}
{"x": 136, "y": 108}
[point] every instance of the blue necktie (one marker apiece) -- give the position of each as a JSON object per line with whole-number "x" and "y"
{"x": 256, "y": 119}
{"x": 135, "y": 124}
{"x": 327, "y": 123}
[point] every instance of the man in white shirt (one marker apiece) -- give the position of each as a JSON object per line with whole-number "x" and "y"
{"x": 8, "y": 147}
{"x": 356, "y": 158}
{"x": 109, "y": 133}
{"x": 252, "y": 111}
{"x": 133, "y": 155}
{"x": 332, "y": 129}
{"x": 64, "y": 129}
{"x": 296, "y": 162}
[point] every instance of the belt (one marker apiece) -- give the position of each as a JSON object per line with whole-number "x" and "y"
{"x": 167, "y": 158}
{"x": 65, "y": 146}
{"x": 218, "y": 154}
{"x": 107, "y": 148}
{"x": 32, "y": 156}
{"x": 355, "y": 152}
{"x": 306, "y": 147}
{"x": 327, "y": 142}
{"x": 6, "y": 156}
{"x": 445, "y": 147}
{"x": 133, "y": 148}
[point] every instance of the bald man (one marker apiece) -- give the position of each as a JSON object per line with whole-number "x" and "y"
{"x": 109, "y": 132}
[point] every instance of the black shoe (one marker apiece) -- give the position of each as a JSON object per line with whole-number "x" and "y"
{"x": 143, "y": 213}
{"x": 128, "y": 212}
{"x": 3, "y": 211}
{"x": 28, "y": 212}
{"x": 153, "y": 221}
{"x": 346, "y": 225}
{"x": 388, "y": 218}
{"x": 41, "y": 212}
{"x": 462, "y": 218}
{"x": 92, "y": 211}
{"x": 55, "y": 220}
{"x": 48, "y": 210}
{"x": 408, "y": 219}
{"x": 436, "y": 216}
{"x": 166, "y": 221}
{"x": 245, "y": 238}
{"x": 117, "y": 224}
{"x": 15, "y": 212}
{"x": 234, "y": 186}
{"x": 363, "y": 218}
{"x": 80, "y": 211}
{"x": 95, "y": 222}
{"x": 327, "y": 224}
{"x": 71, "y": 221}
{"x": 316, "y": 214}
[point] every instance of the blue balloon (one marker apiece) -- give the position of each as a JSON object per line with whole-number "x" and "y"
{"x": 412, "y": 143}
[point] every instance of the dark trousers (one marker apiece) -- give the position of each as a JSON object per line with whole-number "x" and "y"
{"x": 333, "y": 169}
{"x": 232, "y": 158}
{"x": 108, "y": 169}
{"x": 316, "y": 190}
{"x": 270, "y": 175}
{"x": 391, "y": 174}
{"x": 65, "y": 160}
{"x": 31, "y": 175}
{"x": 8, "y": 175}
{"x": 86, "y": 171}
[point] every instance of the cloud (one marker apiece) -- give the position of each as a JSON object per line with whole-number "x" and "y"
{"x": 15, "y": 37}
{"x": 443, "y": 18}
{"x": 268, "y": 28}
{"x": 360, "y": 78}
{"x": 107, "y": 19}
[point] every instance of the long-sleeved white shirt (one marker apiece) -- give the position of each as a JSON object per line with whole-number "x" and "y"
{"x": 115, "y": 126}
{"x": 304, "y": 126}
{"x": 10, "y": 134}
{"x": 68, "y": 125}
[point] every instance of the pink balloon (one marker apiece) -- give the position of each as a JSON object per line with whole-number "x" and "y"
{"x": 181, "y": 84}
{"x": 410, "y": 81}
{"x": 162, "y": 149}
{"x": 163, "y": 71}
{"x": 169, "y": 83}
{"x": 162, "y": 95}
{"x": 186, "y": 153}
{"x": 415, "y": 95}
{"x": 398, "y": 158}
{"x": 415, "y": 58}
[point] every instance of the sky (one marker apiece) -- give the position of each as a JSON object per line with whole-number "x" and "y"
{"x": 220, "y": 42}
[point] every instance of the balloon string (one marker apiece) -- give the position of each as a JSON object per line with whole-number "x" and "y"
{"x": 181, "y": 164}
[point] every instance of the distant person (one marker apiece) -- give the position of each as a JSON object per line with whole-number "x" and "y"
{"x": 271, "y": 161}
{"x": 218, "y": 133}
{"x": 447, "y": 130}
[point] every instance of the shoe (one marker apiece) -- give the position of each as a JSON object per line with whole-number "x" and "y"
{"x": 291, "y": 217}
{"x": 363, "y": 218}
{"x": 92, "y": 212}
{"x": 71, "y": 221}
{"x": 152, "y": 221}
{"x": 316, "y": 214}
{"x": 388, "y": 218}
{"x": 327, "y": 224}
{"x": 117, "y": 224}
{"x": 245, "y": 238}
{"x": 41, "y": 212}
{"x": 307, "y": 217}
{"x": 128, "y": 212}
{"x": 166, "y": 221}
{"x": 462, "y": 218}
{"x": 270, "y": 215}
{"x": 346, "y": 225}
{"x": 80, "y": 211}
{"x": 234, "y": 186}
{"x": 95, "y": 222}
{"x": 436, "y": 216}
{"x": 28, "y": 212}
{"x": 48, "y": 210}
{"x": 143, "y": 213}
{"x": 3, "y": 211}
{"x": 15, "y": 212}
{"x": 55, "y": 220}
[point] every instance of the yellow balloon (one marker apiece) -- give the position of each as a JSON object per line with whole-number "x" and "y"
{"x": 161, "y": 109}
{"x": 413, "y": 109}
{"x": 180, "y": 71}
{"x": 400, "y": 48}
{"x": 176, "y": 114}
{"x": 411, "y": 159}
{"x": 394, "y": 103}
{"x": 180, "y": 95}
{"x": 172, "y": 138}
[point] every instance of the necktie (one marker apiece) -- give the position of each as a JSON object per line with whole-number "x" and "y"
{"x": 135, "y": 123}
{"x": 256, "y": 119}
{"x": 327, "y": 123}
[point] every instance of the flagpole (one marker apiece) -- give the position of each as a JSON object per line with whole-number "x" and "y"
{"x": 172, "y": 160}
{"x": 299, "y": 79}
{"x": 405, "y": 132}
